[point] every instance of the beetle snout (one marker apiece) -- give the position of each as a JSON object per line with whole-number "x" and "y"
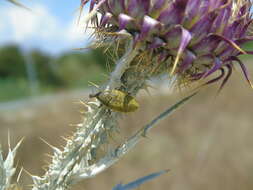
{"x": 94, "y": 95}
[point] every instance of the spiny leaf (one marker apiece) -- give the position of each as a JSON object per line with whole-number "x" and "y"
{"x": 135, "y": 184}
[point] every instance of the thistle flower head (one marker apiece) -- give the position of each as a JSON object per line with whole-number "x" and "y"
{"x": 190, "y": 38}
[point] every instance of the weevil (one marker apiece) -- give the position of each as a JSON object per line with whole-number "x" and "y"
{"x": 117, "y": 100}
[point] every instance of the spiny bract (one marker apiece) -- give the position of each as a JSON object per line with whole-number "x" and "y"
{"x": 117, "y": 100}
{"x": 190, "y": 38}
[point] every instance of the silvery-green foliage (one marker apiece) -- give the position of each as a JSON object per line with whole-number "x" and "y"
{"x": 7, "y": 168}
{"x": 77, "y": 162}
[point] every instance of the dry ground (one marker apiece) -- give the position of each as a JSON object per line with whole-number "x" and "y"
{"x": 207, "y": 145}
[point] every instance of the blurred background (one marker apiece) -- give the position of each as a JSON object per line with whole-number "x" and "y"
{"x": 206, "y": 145}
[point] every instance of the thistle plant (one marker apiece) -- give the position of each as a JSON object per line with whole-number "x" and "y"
{"x": 188, "y": 40}
{"x": 7, "y": 168}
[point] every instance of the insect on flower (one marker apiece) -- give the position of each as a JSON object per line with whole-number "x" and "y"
{"x": 117, "y": 100}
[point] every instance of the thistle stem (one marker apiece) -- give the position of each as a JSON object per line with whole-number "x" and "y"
{"x": 122, "y": 65}
{"x": 115, "y": 155}
{"x": 80, "y": 151}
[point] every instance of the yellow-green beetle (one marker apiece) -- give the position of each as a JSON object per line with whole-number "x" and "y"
{"x": 117, "y": 100}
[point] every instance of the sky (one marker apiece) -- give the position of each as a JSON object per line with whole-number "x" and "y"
{"x": 51, "y": 26}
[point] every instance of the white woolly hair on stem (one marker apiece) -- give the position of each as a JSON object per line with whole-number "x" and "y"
{"x": 89, "y": 137}
{"x": 122, "y": 65}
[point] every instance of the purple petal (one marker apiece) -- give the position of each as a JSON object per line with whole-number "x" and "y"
{"x": 217, "y": 78}
{"x": 202, "y": 27}
{"x": 230, "y": 42}
{"x": 221, "y": 21}
{"x": 229, "y": 67}
{"x": 105, "y": 19}
{"x": 157, "y": 7}
{"x": 204, "y": 6}
{"x": 197, "y": 76}
{"x": 124, "y": 20}
{"x": 174, "y": 14}
{"x": 192, "y": 8}
{"x": 149, "y": 26}
{"x": 234, "y": 30}
{"x": 227, "y": 52}
{"x": 217, "y": 66}
{"x": 185, "y": 39}
{"x": 207, "y": 44}
{"x": 187, "y": 61}
{"x": 138, "y": 8}
{"x": 158, "y": 4}
{"x": 156, "y": 43}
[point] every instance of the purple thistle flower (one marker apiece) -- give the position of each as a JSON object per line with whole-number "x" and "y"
{"x": 190, "y": 38}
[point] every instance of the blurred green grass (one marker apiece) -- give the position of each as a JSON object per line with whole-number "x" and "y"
{"x": 12, "y": 89}
{"x": 26, "y": 74}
